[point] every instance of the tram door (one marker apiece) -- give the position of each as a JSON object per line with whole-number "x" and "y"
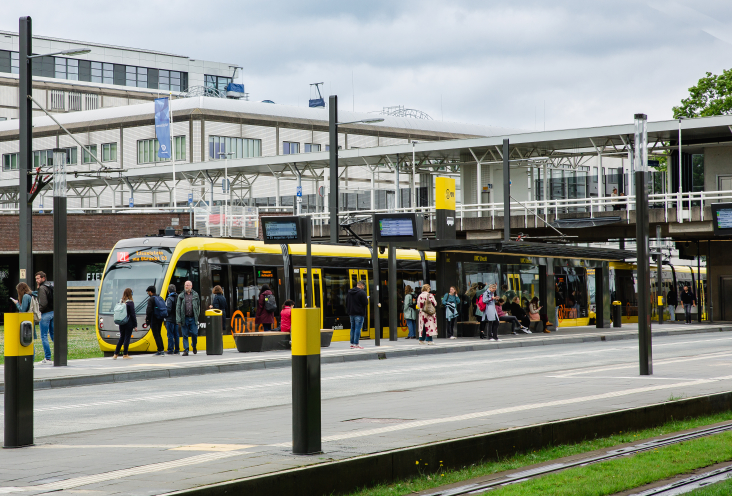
{"x": 318, "y": 290}
{"x": 356, "y": 275}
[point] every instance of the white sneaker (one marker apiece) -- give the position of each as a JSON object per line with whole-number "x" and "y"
{"x": 44, "y": 361}
{"x": 352, "y": 347}
{"x": 453, "y": 337}
{"x": 430, "y": 342}
{"x": 496, "y": 339}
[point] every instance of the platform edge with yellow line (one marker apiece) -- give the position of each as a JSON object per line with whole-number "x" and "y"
{"x": 18, "y": 395}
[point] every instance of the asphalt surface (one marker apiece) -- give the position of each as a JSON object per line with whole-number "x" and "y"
{"x": 368, "y": 406}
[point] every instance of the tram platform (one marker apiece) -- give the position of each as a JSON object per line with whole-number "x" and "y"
{"x": 176, "y": 436}
{"x": 84, "y": 372}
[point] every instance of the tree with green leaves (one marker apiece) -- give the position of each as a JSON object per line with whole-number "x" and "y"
{"x": 711, "y": 96}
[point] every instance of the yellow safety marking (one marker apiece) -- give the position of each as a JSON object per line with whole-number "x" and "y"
{"x": 445, "y": 193}
{"x": 213, "y": 447}
{"x": 12, "y": 334}
{"x": 305, "y": 331}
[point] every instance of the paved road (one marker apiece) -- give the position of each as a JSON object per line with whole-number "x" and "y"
{"x": 368, "y": 406}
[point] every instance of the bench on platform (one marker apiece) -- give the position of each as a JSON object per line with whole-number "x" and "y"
{"x": 247, "y": 342}
{"x": 472, "y": 329}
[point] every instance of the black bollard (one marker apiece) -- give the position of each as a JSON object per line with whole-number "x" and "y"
{"x": 305, "y": 335}
{"x": 18, "y": 380}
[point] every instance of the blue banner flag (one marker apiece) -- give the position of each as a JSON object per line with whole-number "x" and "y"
{"x": 162, "y": 126}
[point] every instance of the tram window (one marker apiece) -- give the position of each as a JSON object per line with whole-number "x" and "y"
{"x": 571, "y": 291}
{"x": 246, "y": 293}
{"x": 335, "y": 290}
{"x": 219, "y": 277}
{"x": 268, "y": 276}
{"x": 186, "y": 271}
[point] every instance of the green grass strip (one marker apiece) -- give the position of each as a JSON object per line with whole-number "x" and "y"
{"x": 82, "y": 343}
{"x": 423, "y": 480}
{"x": 628, "y": 473}
{"x": 718, "y": 489}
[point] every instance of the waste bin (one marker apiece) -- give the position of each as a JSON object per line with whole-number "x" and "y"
{"x": 214, "y": 332}
{"x": 617, "y": 313}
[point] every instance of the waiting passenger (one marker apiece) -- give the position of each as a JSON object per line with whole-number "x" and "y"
{"x": 450, "y": 300}
{"x": 152, "y": 319}
{"x": 534, "y": 315}
{"x": 357, "y": 303}
{"x": 427, "y": 315}
{"x": 186, "y": 314}
{"x": 688, "y": 299}
{"x": 125, "y": 330}
{"x": 518, "y": 312}
{"x": 507, "y": 294}
{"x": 170, "y": 325}
{"x": 265, "y": 309}
{"x": 410, "y": 312}
{"x": 490, "y": 316}
{"x": 219, "y": 301}
{"x": 28, "y": 303}
{"x": 286, "y": 316}
{"x": 504, "y": 317}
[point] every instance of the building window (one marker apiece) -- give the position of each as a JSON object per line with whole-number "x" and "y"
{"x": 87, "y": 157}
{"x": 238, "y": 147}
{"x": 147, "y": 150}
{"x": 136, "y": 76}
{"x": 217, "y": 82}
{"x": 102, "y": 73}
{"x": 74, "y": 101}
{"x": 109, "y": 152}
{"x": 67, "y": 68}
{"x": 43, "y": 158}
{"x": 169, "y": 80}
{"x": 327, "y": 148}
{"x": 14, "y": 62}
{"x": 57, "y": 100}
{"x": 10, "y": 161}
{"x": 289, "y": 148}
{"x": 311, "y": 147}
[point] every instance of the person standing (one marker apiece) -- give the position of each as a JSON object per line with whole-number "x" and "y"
{"x": 219, "y": 301}
{"x": 672, "y": 300}
{"x": 410, "y": 312}
{"x": 450, "y": 300}
{"x": 153, "y": 320}
{"x": 427, "y": 316}
{"x": 125, "y": 330}
{"x": 356, "y": 305}
{"x": 170, "y": 324}
{"x": 45, "y": 304}
{"x": 24, "y": 303}
{"x": 264, "y": 316}
{"x": 490, "y": 316}
{"x": 186, "y": 314}
{"x": 689, "y": 300}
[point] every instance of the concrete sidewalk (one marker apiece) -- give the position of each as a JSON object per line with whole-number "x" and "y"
{"x": 90, "y": 371}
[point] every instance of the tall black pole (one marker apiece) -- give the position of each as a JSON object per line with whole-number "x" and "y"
{"x": 641, "y": 234}
{"x": 25, "y": 116}
{"x": 659, "y": 277}
{"x": 375, "y": 277}
{"x": 60, "y": 340}
{"x": 333, "y": 193}
{"x": 709, "y": 281}
{"x": 393, "y": 310}
{"x": 698, "y": 282}
{"x": 506, "y": 194}
{"x": 307, "y": 231}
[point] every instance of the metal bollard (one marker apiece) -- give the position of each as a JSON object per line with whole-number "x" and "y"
{"x": 18, "y": 380}
{"x": 305, "y": 336}
{"x": 214, "y": 332}
{"x": 617, "y": 313}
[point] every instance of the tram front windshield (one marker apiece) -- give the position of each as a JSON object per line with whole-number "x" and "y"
{"x": 136, "y": 269}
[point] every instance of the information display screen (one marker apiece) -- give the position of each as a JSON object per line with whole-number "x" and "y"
{"x": 396, "y": 227}
{"x": 722, "y": 219}
{"x": 281, "y": 230}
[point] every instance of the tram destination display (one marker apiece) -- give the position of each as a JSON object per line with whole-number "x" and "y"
{"x": 396, "y": 227}
{"x": 278, "y": 230}
{"x": 722, "y": 219}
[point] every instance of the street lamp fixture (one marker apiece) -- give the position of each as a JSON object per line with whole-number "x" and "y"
{"x": 226, "y": 188}
{"x": 70, "y": 52}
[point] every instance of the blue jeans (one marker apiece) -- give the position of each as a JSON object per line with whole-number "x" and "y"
{"x": 412, "y": 326}
{"x": 173, "y": 335}
{"x": 46, "y": 329}
{"x": 190, "y": 328}
{"x": 356, "y": 325}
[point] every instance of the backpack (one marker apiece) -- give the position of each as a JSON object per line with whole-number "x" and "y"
{"x": 413, "y": 304}
{"x": 480, "y": 303}
{"x": 161, "y": 310}
{"x": 49, "y": 285}
{"x": 170, "y": 304}
{"x": 35, "y": 309}
{"x": 120, "y": 314}
{"x": 270, "y": 303}
{"x": 429, "y": 308}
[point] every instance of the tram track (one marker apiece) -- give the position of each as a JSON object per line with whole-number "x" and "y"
{"x": 689, "y": 484}
{"x": 532, "y": 473}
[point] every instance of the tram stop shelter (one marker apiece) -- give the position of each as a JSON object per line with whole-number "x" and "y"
{"x": 565, "y": 278}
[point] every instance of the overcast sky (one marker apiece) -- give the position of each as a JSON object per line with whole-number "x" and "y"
{"x": 590, "y": 63}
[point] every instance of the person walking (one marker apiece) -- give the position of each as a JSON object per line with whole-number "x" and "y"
{"x": 265, "y": 311}
{"x": 356, "y": 305}
{"x": 45, "y": 305}
{"x": 154, "y": 320}
{"x": 490, "y": 316}
{"x": 672, "y": 300}
{"x": 286, "y": 316}
{"x": 427, "y": 306}
{"x": 689, "y": 300}
{"x": 410, "y": 312}
{"x": 450, "y": 301}
{"x": 186, "y": 314}
{"x": 125, "y": 330}
{"x": 170, "y": 324}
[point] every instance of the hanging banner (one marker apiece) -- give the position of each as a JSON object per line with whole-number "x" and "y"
{"x": 162, "y": 126}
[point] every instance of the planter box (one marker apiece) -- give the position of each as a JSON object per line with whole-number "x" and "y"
{"x": 262, "y": 341}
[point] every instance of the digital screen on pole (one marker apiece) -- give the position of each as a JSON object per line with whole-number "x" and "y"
{"x": 722, "y": 219}
{"x": 396, "y": 227}
{"x": 281, "y": 230}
